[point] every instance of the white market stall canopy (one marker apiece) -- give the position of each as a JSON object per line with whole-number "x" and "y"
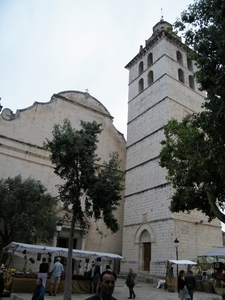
{"x": 215, "y": 252}
{"x": 182, "y": 262}
{"x": 20, "y": 248}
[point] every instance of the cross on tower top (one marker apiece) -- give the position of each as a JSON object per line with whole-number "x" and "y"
{"x": 161, "y": 15}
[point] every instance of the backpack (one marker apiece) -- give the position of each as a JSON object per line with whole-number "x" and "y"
{"x": 97, "y": 270}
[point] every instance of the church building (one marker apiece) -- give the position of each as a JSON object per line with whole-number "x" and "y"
{"x": 22, "y": 135}
{"x": 161, "y": 87}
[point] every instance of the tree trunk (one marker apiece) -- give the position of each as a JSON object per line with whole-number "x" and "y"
{"x": 68, "y": 279}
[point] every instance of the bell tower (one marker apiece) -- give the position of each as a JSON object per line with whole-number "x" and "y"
{"x": 161, "y": 87}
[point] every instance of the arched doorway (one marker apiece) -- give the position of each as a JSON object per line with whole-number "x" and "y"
{"x": 145, "y": 238}
{"x": 146, "y": 246}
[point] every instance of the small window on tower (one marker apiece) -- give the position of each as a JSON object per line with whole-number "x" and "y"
{"x": 141, "y": 67}
{"x": 150, "y": 59}
{"x": 150, "y": 77}
{"x": 189, "y": 64}
{"x": 179, "y": 57}
{"x": 191, "y": 82}
{"x": 181, "y": 75}
{"x": 141, "y": 85}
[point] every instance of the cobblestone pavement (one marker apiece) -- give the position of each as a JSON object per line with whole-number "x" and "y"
{"x": 143, "y": 291}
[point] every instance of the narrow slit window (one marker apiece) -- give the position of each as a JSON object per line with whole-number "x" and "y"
{"x": 150, "y": 59}
{"x": 179, "y": 57}
{"x": 191, "y": 82}
{"x": 141, "y": 67}
{"x": 189, "y": 64}
{"x": 150, "y": 77}
{"x": 181, "y": 75}
{"x": 141, "y": 85}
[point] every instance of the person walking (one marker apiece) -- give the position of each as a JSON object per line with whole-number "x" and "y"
{"x": 56, "y": 271}
{"x": 43, "y": 271}
{"x": 95, "y": 275}
{"x": 39, "y": 292}
{"x": 182, "y": 287}
{"x": 107, "y": 285}
{"x": 130, "y": 283}
{"x": 191, "y": 283}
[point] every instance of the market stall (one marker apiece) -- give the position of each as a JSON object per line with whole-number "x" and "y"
{"x": 27, "y": 285}
{"x": 19, "y": 249}
{"x": 214, "y": 282}
{"x": 23, "y": 267}
{"x": 171, "y": 281}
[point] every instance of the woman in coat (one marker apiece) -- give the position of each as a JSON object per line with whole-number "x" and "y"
{"x": 130, "y": 283}
{"x": 182, "y": 288}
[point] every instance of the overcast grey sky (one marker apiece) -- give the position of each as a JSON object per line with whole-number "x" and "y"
{"x": 49, "y": 46}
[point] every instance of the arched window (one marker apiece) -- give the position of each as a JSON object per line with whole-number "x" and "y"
{"x": 191, "y": 82}
{"x": 141, "y": 67}
{"x": 141, "y": 85}
{"x": 179, "y": 57}
{"x": 150, "y": 59}
{"x": 150, "y": 77}
{"x": 181, "y": 75}
{"x": 189, "y": 64}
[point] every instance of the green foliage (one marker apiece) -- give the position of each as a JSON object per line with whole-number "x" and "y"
{"x": 90, "y": 189}
{"x": 26, "y": 211}
{"x": 203, "y": 27}
{"x": 104, "y": 194}
{"x": 194, "y": 149}
{"x": 183, "y": 154}
{"x": 75, "y": 161}
{"x": 194, "y": 166}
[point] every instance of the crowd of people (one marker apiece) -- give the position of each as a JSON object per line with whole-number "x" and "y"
{"x": 56, "y": 272}
{"x": 102, "y": 282}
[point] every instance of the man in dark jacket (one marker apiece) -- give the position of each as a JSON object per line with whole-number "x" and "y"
{"x": 43, "y": 271}
{"x": 191, "y": 283}
{"x": 39, "y": 292}
{"x": 107, "y": 285}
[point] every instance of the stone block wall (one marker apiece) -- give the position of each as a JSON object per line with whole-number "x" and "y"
{"x": 147, "y": 218}
{"x": 21, "y": 150}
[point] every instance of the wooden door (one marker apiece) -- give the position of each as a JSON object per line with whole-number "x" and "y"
{"x": 147, "y": 256}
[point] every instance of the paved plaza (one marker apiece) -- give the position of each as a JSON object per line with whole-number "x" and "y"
{"x": 143, "y": 291}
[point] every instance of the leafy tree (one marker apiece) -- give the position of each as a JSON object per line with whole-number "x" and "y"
{"x": 88, "y": 189}
{"x": 194, "y": 149}
{"x": 26, "y": 211}
{"x": 193, "y": 169}
{"x": 203, "y": 27}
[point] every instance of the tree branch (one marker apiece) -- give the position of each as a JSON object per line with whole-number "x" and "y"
{"x": 215, "y": 208}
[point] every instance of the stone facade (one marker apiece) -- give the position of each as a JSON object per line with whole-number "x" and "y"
{"x": 161, "y": 87}
{"x": 21, "y": 152}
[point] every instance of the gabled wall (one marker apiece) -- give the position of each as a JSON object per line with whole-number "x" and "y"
{"x": 21, "y": 151}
